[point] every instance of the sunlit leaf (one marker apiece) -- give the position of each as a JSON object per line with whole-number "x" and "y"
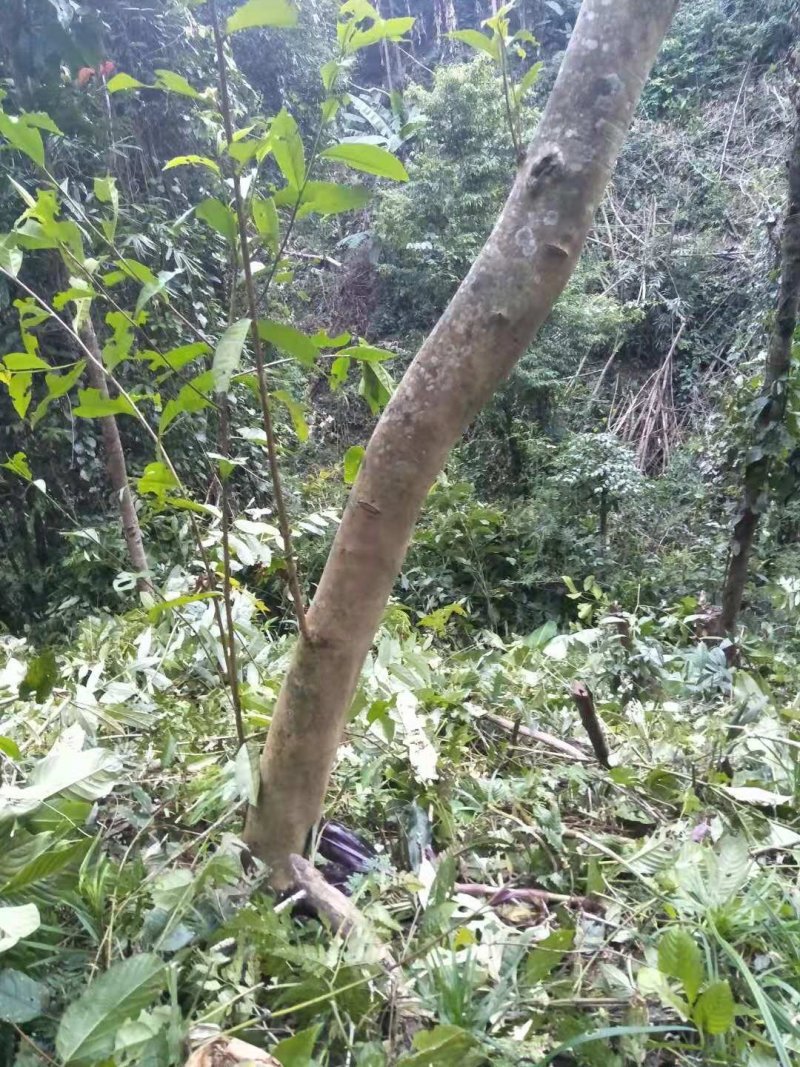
{"x": 192, "y": 161}
{"x": 123, "y": 82}
{"x": 352, "y": 463}
{"x": 370, "y": 158}
{"x": 254, "y": 13}
{"x": 290, "y": 340}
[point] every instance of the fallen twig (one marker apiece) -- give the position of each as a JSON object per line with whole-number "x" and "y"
{"x": 512, "y": 894}
{"x": 540, "y": 736}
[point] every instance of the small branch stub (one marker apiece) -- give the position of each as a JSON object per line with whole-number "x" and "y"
{"x": 582, "y": 695}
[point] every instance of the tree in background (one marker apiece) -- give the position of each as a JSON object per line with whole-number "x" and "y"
{"x": 771, "y": 442}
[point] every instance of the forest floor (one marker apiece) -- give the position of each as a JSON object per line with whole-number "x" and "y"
{"x": 520, "y": 901}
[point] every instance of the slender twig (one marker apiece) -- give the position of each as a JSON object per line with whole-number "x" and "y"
{"x": 272, "y": 450}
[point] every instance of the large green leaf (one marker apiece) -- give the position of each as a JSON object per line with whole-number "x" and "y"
{"x": 22, "y": 136}
{"x": 262, "y": 13}
{"x": 219, "y": 217}
{"x": 715, "y": 1010}
{"x": 21, "y": 999}
{"x": 88, "y": 1027}
{"x": 290, "y": 340}
{"x": 371, "y": 158}
{"x": 89, "y": 775}
{"x": 330, "y": 198}
{"x": 228, "y": 354}
{"x": 679, "y": 957}
{"x": 93, "y": 405}
{"x": 287, "y": 147}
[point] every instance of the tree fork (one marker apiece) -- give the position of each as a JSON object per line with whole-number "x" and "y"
{"x": 496, "y": 312}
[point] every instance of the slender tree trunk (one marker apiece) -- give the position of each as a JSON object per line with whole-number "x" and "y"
{"x": 489, "y": 324}
{"x": 770, "y": 422}
{"x": 115, "y": 463}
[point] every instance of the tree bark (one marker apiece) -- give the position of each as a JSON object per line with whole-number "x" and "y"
{"x": 488, "y": 325}
{"x": 115, "y": 463}
{"x": 770, "y": 422}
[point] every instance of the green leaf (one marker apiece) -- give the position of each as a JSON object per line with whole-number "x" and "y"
{"x": 330, "y": 198}
{"x": 228, "y": 354}
{"x": 368, "y": 353}
{"x": 679, "y": 957}
{"x": 219, "y": 217}
{"x": 157, "y": 478}
{"x": 480, "y": 42}
{"x": 40, "y": 677}
{"x": 265, "y": 217}
{"x": 192, "y": 397}
{"x": 715, "y": 1010}
{"x": 105, "y": 189}
{"x": 376, "y": 386}
{"x": 287, "y": 147}
{"x": 192, "y": 161}
{"x": 290, "y": 340}
{"x": 88, "y": 1027}
{"x": 548, "y": 954}
{"x": 18, "y": 464}
{"x": 295, "y": 1051}
{"x": 25, "y": 361}
{"x": 352, "y": 463}
{"x": 254, "y": 13}
{"x": 22, "y": 137}
{"x": 16, "y": 923}
{"x": 371, "y": 158}
{"x": 19, "y": 389}
{"x": 297, "y": 413}
{"x": 122, "y": 82}
{"x": 92, "y": 405}
{"x": 338, "y": 373}
{"x": 21, "y": 999}
{"x": 151, "y": 289}
{"x": 444, "y": 1046}
{"x": 528, "y": 80}
{"x": 174, "y": 83}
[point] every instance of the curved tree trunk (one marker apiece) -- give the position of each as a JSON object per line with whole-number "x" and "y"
{"x": 490, "y": 322}
{"x": 769, "y": 426}
{"x": 115, "y": 462}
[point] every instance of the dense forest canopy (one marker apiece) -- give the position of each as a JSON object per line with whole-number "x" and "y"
{"x": 411, "y": 384}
